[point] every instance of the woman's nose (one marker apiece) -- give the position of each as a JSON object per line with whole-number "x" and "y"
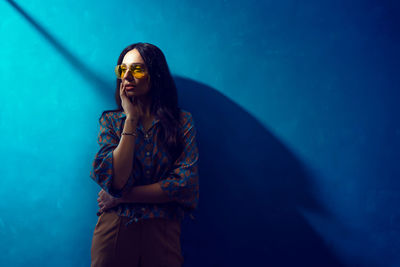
{"x": 127, "y": 75}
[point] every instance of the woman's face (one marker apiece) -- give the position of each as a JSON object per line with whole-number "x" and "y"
{"x": 134, "y": 86}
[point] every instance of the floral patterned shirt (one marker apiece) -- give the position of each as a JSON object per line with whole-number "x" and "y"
{"x": 151, "y": 164}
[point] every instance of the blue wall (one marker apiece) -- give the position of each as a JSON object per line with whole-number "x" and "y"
{"x": 296, "y": 104}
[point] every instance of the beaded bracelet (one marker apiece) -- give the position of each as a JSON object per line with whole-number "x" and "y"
{"x": 134, "y": 134}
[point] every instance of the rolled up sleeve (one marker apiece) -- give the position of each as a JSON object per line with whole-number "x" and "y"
{"x": 182, "y": 182}
{"x": 102, "y": 168}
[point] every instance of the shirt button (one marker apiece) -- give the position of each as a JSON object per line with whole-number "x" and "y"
{"x": 147, "y": 153}
{"x": 146, "y": 136}
{"x": 148, "y": 171}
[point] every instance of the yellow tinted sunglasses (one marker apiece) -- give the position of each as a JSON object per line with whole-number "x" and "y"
{"x": 136, "y": 70}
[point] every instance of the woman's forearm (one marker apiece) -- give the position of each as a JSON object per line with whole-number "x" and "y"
{"x": 123, "y": 155}
{"x": 151, "y": 193}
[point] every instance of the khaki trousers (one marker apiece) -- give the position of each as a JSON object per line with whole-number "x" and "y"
{"x": 146, "y": 243}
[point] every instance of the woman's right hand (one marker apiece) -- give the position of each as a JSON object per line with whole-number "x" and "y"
{"x": 132, "y": 108}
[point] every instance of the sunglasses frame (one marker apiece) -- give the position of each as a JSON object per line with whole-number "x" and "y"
{"x": 131, "y": 69}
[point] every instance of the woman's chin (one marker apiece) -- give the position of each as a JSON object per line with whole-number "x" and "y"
{"x": 135, "y": 92}
{"x": 131, "y": 92}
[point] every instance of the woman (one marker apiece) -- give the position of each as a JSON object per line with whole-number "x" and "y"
{"x": 147, "y": 166}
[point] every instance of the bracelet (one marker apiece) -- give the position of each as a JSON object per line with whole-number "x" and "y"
{"x": 134, "y": 133}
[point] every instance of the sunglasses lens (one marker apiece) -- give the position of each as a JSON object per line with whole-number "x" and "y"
{"x": 120, "y": 71}
{"x": 138, "y": 75}
{"x": 137, "y": 71}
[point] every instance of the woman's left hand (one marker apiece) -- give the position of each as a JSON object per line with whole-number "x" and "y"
{"x": 106, "y": 201}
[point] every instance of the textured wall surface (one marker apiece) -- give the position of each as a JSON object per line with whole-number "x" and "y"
{"x": 296, "y": 105}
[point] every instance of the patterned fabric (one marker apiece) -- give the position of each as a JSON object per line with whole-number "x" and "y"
{"x": 151, "y": 164}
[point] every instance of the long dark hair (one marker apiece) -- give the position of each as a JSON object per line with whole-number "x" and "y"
{"x": 163, "y": 93}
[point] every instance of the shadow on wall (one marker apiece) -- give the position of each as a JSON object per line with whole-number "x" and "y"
{"x": 251, "y": 187}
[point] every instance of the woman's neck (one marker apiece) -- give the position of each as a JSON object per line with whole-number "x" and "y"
{"x": 146, "y": 104}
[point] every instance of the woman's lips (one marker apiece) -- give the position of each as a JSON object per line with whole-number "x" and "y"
{"x": 129, "y": 87}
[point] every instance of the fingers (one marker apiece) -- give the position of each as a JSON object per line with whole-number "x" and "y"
{"x": 121, "y": 88}
{"x": 101, "y": 204}
{"x": 105, "y": 203}
{"x": 101, "y": 195}
{"x": 100, "y": 198}
{"x": 105, "y": 206}
{"x": 122, "y": 92}
{"x": 100, "y": 212}
{"x": 101, "y": 192}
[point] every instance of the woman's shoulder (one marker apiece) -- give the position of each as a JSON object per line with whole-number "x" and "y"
{"x": 186, "y": 119}
{"x": 185, "y": 114}
{"x": 110, "y": 116}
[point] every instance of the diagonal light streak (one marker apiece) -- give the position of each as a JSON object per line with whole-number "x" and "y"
{"x": 84, "y": 70}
